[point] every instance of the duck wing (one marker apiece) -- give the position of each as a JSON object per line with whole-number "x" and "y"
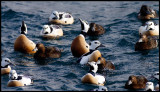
{"x": 52, "y": 52}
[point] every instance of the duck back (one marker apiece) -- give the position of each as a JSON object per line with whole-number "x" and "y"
{"x": 24, "y": 45}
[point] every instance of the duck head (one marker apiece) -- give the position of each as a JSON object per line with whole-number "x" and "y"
{"x": 5, "y": 62}
{"x": 132, "y": 79}
{"x": 145, "y": 10}
{"x": 39, "y": 47}
{"x": 46, "y": 29}
{"x": 95, "y": 44}
{"x": 54, "y": 15}
{"x": 13, "y": 75}
{"x": 23, "y": 28}
{"x": 150, "y": 25}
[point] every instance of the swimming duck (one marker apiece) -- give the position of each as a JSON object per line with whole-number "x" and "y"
{"x": 146, "y": 13}
{"x": 93, "y": 29}
{"x": 79, "y": 46}
{"x": 149, "y": 29}
{"x": 136, "y": 82}
{"x": 63, "y": 18}
{"x": 92, "y": 77}
{"x": 18, "y": 80}
{"x": 22, "y": 43}
{"x": 46, "y": 52}
{"x": 5, "y": 68}
{"x": 146, "y": 43}
{"x": 51, "y": 31}
{"x": 101, "y": 88}
{"x": 93, "y": 54}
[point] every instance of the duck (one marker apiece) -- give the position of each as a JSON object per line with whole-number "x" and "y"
{"x": 63, "y": 18}
{"x": 149, "y": 28}
{"x": 22, "y": 43}
{"x": 51, "y": 31}
{"x": 43, "y": 52}
{"x": 147, "y": 13}
{"x": 92, "y": 77}
{"x": 91, "y": 29}
{"x": 93, "y": 53}
{"x": 146, "y": 43}
{"x": 136, "y": 82}
{"x": 16, "y": 80}
{"x": 5, "y": 66}
{"x": 79, "y": 46}
{"x": 101, "y": 88}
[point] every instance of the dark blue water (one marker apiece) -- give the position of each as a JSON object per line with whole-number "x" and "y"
{"x": 119, "y": 18}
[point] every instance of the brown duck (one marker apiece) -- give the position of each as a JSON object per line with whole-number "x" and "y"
{"x": 46, "y": 52}
{"x": 147, "y": 13}
{"x": 146, "y": 43}
{"x": 136, "y": 82}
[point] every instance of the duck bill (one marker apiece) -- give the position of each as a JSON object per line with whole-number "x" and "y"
{"x": 102, "y": 45}
{"x": 35, "y": 49}
{"x": 80, "y": 20}
{"x": 12, "y": 63}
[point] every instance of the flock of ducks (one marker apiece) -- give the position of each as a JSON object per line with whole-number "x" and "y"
{"x": 87, "y": 54}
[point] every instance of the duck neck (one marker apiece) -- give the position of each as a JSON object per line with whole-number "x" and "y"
{"x": 92, "y": 70}
{"x": 6, "y": 66}
{"x": 42, "y": 50}
{"x": 92, "y": 48}
{"x": 84, "y": 34}
{"x": 93, "y": 73}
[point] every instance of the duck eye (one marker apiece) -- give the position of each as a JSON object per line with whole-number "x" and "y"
{"x": 89, "y": 43}
{"x": 96, "y": 42}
